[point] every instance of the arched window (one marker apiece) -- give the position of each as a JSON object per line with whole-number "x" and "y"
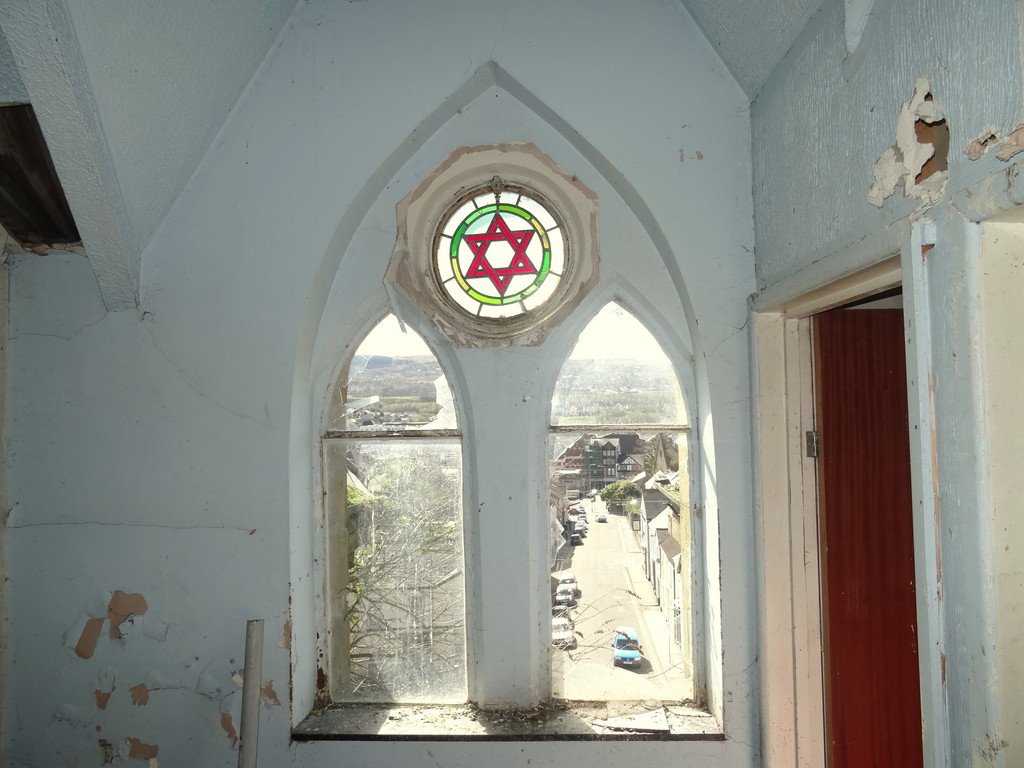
{"x": 621, "y": 536}
{"x": 393, "y": 482}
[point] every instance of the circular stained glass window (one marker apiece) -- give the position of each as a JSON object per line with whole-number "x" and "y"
{"x": 500, "y": 252}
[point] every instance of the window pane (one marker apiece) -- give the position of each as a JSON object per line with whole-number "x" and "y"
{"x": 621, "y": 567}
{"x": 495, "y": 251}
{"x": 394, "y": 383}
{"x": 617, "y": 374}
{"x": 396, "y": 570}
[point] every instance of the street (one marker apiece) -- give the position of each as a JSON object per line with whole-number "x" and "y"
{"x": 608, "y": 568}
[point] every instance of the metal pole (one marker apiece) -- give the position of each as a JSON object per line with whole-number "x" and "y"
{"x": 251, "y": 683}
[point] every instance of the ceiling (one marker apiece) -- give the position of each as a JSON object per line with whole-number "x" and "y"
{"x": 130, "y": 96}
{"x": 752, "y": 36}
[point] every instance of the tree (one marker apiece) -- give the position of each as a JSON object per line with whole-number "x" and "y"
{"x": 619, "y": 492}
{"x": 404, "y": 603}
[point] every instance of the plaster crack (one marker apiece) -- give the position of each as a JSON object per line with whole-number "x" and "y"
{"x": 60, "y": 336}
{"x": 196, "y": 388}
{"x": 732, "y": 335}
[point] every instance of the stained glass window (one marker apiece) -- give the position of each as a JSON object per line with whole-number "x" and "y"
{"x": 500, "y": 252}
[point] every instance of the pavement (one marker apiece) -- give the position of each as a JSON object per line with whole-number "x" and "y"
{"x": 657, "y": 626}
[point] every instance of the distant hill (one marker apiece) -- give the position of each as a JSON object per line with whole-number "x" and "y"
{"x": 392, "y": 376}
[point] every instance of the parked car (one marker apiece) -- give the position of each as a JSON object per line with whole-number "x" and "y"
{"x": 565, "y": 594}
{"x": 563, "y": 633}
{"x": 626, "y": 649}
{"x": 575, "y": 540}
{"x": 561, "y": 612}
{"x": 601, "y": 517}
{"x": 570, "y": 580}
{"x": 581, "y": 527}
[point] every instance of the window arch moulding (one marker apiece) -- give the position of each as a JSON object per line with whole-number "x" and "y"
{"x": 511, "y": 173}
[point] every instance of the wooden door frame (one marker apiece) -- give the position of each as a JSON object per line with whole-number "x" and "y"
{"x": 785, "y": 484}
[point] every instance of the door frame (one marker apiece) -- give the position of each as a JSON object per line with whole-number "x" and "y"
{"x": 785, "y": 485}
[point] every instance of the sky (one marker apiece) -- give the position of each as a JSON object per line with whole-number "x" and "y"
{"x": 613, "y": 333}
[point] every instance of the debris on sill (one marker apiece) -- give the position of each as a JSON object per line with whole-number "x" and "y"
{"x": 570, "y": 719}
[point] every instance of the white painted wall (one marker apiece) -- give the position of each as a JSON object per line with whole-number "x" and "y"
{"x": 167, "y": 452}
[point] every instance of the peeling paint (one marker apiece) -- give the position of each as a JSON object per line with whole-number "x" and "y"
{"x": 86, "y": 645}
{"x": 286, "y": 636}
{"x": 1013, "y": 143}
{"x": 121, "y": 607}
{"x": 140, "y": 750}
{"x": 989, "y": 137}
{"x": 919, "y": 118}
{"x": 102, "y": 698}
{"x": 140, "y": 695}
{"x": 229, "y": 728}
{"x": 268, "y": 695}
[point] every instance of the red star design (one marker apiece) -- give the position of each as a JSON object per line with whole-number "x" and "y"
{"x": 520, "y": 263}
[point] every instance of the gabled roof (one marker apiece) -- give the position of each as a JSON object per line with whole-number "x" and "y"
{"x": 669, "y": 545}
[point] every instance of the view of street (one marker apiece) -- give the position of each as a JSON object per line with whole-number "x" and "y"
{"x": 608, "y": 566}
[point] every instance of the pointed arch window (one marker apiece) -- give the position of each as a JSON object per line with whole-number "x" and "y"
{"x": 392, "y": 458}
{"x": 620, "y": 493}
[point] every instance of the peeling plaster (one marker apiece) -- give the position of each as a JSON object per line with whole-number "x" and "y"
{"x": 1013, "y": 144}
{"x": 86, "y": 645}
{"x": 988, "y": 137}
{"x": 103, "y": 698}
{"x": 286, "y": 636}
{"x": 268, "y": 695}
{"x": 904, "y": 160}
{"x": 121, "y": 608}
{"x": 229, "y": 728}
{"x": 140, "y": 750}
{"x": 140, "y": 695}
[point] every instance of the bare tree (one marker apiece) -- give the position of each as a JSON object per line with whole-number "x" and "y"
{"x": 405, "y": 602}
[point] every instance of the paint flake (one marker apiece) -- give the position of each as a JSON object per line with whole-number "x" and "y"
{"x": 86, "y": 645}
{"x": 1013, "y": 144}
{"x": 102, "y": 698}
{"x": 268, "y": 695}
{"x": 980, "y": 145}
{"x": 229, "y": 728}
{"x": 121, "y": 607}
{"x": 140, "y": 695}
{"x": 140, "y": 750}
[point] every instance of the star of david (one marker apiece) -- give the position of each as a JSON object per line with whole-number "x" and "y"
{"x": 520, "y": 263}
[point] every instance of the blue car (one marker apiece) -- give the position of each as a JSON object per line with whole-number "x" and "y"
{"x": 626, "y": 647}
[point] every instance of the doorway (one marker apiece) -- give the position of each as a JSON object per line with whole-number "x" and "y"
{"x": 872, "y": 701}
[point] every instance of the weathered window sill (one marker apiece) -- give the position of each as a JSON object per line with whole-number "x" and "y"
{"x": 569, "y": 721}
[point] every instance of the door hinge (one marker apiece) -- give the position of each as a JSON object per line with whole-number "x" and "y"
{"x": 813, "y": 444}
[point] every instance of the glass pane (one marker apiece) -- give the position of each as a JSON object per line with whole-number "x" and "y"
{"x": 394, "y": 383}
{"x": 617, "y": 374}
{"x": 496, "y": 251}
{"x": 396, "y": 570}
{"x": 620, "y": 567}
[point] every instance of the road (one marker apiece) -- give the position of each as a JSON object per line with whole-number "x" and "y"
{"x": 610, "y": 599}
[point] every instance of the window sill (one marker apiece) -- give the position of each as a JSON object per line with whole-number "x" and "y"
{"x": 569, "y": 721}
